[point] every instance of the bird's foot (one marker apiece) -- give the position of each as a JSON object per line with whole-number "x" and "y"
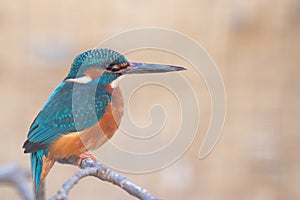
{"x": 84, "y": 156}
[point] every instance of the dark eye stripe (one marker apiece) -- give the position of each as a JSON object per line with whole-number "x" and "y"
{"x": 117, "y": 67}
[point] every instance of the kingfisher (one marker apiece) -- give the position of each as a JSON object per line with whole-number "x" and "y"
{"x": 84, "y": 111}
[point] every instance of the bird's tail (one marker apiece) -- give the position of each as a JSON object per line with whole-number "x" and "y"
{"x": 40, "y": 166}
{"x": 36, "y": 168}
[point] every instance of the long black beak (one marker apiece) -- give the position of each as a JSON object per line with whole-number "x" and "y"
{"x": 142, "y": 68}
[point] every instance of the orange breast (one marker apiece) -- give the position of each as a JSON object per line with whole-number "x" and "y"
{"x": 66, "y": 145}
{"x": 92, "y": 138}
{"x": 95, "y": 136}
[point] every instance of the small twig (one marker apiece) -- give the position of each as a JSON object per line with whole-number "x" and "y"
{"x": 14, "y": 175}
{"x": 96, "y": 169}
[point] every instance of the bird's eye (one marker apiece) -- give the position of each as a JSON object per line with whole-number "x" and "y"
{"x": 117, "y": 67}
{"x": 109, "y": 67}
{"x": 113, "y": 68}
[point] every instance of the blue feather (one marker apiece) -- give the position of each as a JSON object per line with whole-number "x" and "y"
{"x": 36, "y": 167}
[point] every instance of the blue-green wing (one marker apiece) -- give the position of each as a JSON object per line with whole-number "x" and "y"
{"x": 71, "y": 107}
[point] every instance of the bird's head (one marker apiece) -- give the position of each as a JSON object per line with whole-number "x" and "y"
{"x": 107, "y": 65}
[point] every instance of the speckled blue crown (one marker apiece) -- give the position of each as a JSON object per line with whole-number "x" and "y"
{"x": 100, "y": 58}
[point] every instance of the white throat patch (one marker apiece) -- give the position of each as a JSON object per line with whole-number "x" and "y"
{"x": 115, "y": 83}
{"x": 82, "y": 80}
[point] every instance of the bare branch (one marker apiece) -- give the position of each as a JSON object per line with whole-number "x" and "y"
{"x": 96, "y": 169}
{"x": 12, "y": 174}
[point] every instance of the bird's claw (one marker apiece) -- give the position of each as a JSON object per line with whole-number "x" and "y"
{"x": 84, "y": 156}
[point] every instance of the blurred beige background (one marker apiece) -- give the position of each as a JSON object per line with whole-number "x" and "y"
{"x": 254, "y": 43}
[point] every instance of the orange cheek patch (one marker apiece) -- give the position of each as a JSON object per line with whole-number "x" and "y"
{"x": 123, "y": 65}
{"x": 94, "y": 73}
